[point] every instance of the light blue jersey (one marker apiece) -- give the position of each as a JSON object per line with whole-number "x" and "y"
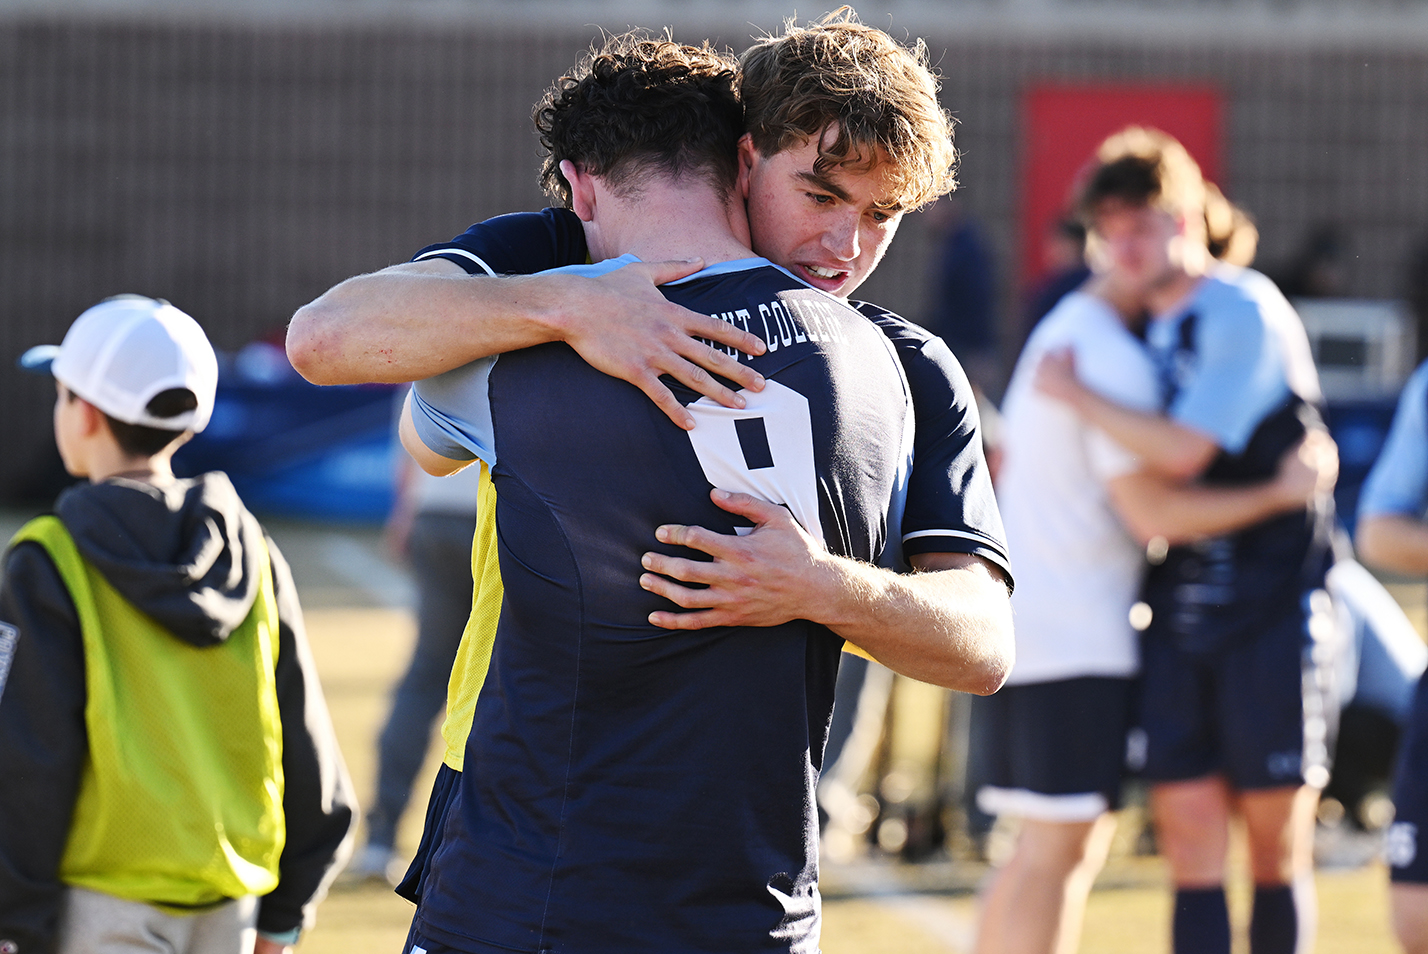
{"x": 1398, "y": 483}
{"x": 1231, "y": 355}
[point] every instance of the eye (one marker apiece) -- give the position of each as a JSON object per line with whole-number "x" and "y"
{"x": 820, "y": 198}
{"x": 880, "y": 217}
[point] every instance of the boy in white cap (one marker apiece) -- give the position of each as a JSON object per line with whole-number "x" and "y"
{"x": 171, "y": 778}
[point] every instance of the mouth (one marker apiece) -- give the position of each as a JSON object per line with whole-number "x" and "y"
{"x": 827, "y": 279}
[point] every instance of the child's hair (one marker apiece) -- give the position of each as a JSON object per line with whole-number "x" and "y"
{"x": 139, "y": 440}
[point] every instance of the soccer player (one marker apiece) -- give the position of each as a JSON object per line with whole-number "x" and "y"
{"x": 810, "y": 96}
{"x": 1234, "y": 704}
{"x": 1054, "y": 738}
{"x": 1392, "y": 534}
{"x": 629, "y": 787}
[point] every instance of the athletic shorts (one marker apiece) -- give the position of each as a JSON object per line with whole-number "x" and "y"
{"x": 1260, "y": 712}
{"x": 1053, "y": 751}
{"x": 1406, "y": 863}
{"x": 443, "y": 790}
{"x": 421, "y": 944}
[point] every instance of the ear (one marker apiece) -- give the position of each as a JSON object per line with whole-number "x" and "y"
{"x": 91, "y": 419}
{"x": 748, "y": 157}
{"x": 582, "y": 190}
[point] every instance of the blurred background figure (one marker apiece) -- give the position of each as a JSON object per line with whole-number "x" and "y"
{"x": 1238, "y": 640}
{"x": 962, "y": 292}
{"x": 1415, "y": 290}
{"x": 1319, "y": 268}
{"x": 431, "y": 525}
{"x": 1392, "y": 535}
{"x": 1065, "y": 255}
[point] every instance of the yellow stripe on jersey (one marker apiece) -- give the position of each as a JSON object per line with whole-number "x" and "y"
{"x": 473, "y": 657}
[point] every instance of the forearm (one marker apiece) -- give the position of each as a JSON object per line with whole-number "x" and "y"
{"x": 1163, "y": 445}
{"x": 948, "y": 626}
{"x": 1151, "y": 506}
{"x": 413, "y": 321}
{"x": 1394, "y": 542}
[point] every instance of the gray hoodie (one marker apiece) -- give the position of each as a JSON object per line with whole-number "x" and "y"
{"x": 186, "y": 554}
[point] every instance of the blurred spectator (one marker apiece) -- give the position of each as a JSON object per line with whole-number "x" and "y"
{"x": 431, "y": 524}
{"x": 1319, "y": 269}
{"x": 1393, "y": 535}
{"x": 1065, "y": 254}
{"x": 1416, "y": 291}
{"x": 963, "y": 308}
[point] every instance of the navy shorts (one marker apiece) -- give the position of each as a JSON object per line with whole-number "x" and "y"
{"x": 443, "y": 790}
{"x": 1053, "y": 751}
{"x": 1406, "y": 863}
{"x": 421, "y": 944}
{"x": 1259, "y": 712}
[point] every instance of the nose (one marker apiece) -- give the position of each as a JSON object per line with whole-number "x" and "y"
{"x": 841, "y": 238}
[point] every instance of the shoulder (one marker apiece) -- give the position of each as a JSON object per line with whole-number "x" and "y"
{"x": 517, "y": 243}
{"x": 1078, "y": 315}
{"x": 1238, "y": 299}
{"x": 1417, "y": 387}
{"x": 912, "y": 341}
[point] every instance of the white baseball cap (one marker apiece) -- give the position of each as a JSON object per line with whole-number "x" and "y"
{"x": 125, "y": 350}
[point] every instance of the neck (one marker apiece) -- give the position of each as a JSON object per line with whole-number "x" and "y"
{"x": 668, "y": 221}
{"x": 151, "y": 470}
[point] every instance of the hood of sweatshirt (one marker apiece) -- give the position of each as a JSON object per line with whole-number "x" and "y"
{"x": 187, "y": 553}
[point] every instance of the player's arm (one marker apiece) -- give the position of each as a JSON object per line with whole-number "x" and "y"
{"x": 1391, "y": 533}
{"x": 1151, "y": 505}
{"x": 1395, "y": 542}
{"x": 949, "y": 623}
{"x": 1165, "y": 446}
{"x": 419, "y": 319}
{"x": 43, "y": 743}
{"x": 429, "y": 460}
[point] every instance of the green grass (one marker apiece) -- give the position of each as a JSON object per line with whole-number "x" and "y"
{"x": 360, "y": 652}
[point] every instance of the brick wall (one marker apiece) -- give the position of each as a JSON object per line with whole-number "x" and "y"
{"x": 241, "y": 169}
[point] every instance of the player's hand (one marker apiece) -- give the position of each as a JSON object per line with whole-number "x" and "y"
{"x": 1308, "y": 470}
{"x": 760, "y": 579}
{"x": 1056, "y": 376}
{"x": 627, "y": 329}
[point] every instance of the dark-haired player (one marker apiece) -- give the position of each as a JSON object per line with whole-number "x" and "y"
{"x": 810, "y": 96}
{"x": 630, "y": 787}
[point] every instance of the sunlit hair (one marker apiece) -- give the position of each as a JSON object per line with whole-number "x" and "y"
{"x": 877, "y": 94}
{"x": 1230, "y": 233}
{"x": 642, "y": 105}
{"x": 1144, "y": 167}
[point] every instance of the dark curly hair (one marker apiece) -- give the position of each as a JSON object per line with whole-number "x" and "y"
{"x": 642, "y": 104}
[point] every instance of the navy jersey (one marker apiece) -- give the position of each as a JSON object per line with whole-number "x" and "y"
{"x": 1236, "y": 365}
{"x": 951, "y": 507}
{"x": 629, "y": 788}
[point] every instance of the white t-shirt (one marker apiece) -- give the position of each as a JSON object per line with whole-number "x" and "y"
{"x": 1077, "y": 569}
